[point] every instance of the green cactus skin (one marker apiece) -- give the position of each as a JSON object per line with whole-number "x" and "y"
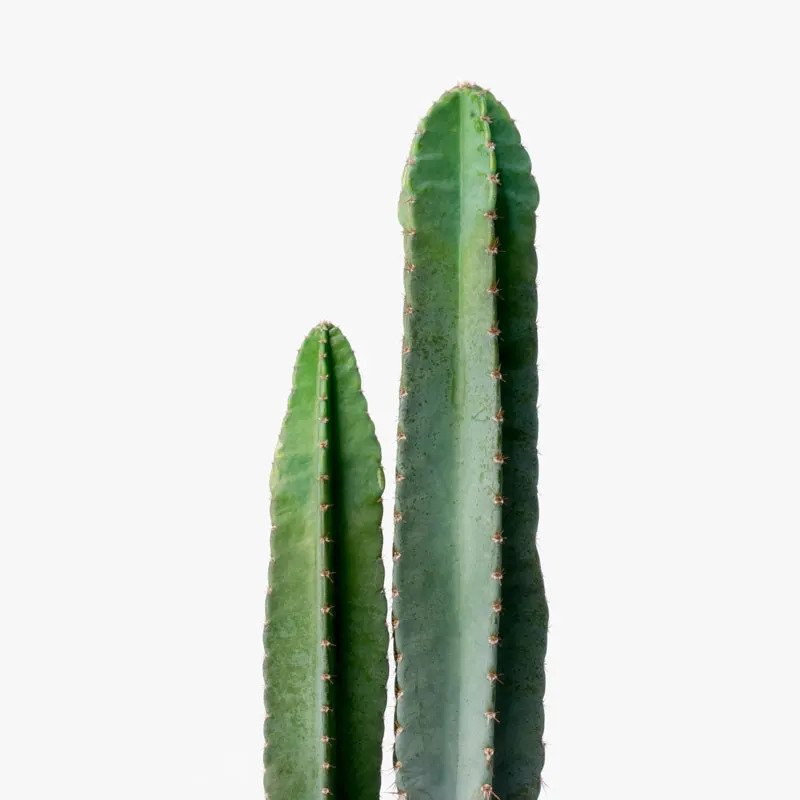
{"x": 325, "y": 636}
{"x": 469, "y": 611}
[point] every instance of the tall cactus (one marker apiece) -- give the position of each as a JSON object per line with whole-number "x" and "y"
{"x": 325, "y": 636}
{"x": 469, "y": 610}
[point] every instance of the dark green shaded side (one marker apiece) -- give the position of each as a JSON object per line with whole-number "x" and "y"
{"x": 519, "y": 756}
{"x": 469, "y": 609}
{"x": 325, "y": 637}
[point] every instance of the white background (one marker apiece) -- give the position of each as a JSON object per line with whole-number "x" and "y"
{"x": 187, "y": 187}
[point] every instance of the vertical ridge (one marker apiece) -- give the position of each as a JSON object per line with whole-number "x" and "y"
{"x": 326, "y": 547}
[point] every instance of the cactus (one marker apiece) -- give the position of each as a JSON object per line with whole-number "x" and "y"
{"x": 325, "y": 636}
{"x": 469, "y": 611}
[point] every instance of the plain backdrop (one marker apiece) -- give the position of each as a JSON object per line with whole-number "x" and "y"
{"x": 187, "y": 187}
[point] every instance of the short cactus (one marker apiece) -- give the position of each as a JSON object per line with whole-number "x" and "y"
{"x": 325, "y": 635}
{"x": 469, "y": 609}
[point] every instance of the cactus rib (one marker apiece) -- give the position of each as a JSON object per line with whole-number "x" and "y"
{"x": 325, "y": 637}
{"x": 469, "y": 601}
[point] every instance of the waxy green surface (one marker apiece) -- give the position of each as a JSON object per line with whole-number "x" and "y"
{"x": 469, "y": 609}
{"x": 325, "y": 638}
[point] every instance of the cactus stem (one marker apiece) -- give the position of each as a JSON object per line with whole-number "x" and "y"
{"x": 468, "y": 257}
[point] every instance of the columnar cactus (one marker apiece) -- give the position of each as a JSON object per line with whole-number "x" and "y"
{"x": 469, "y": 610}
{"x": 325, "y": 636}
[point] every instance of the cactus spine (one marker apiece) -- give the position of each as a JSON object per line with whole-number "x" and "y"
{"x": 325, "y": 635}
{"x": 469, "y": 609}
